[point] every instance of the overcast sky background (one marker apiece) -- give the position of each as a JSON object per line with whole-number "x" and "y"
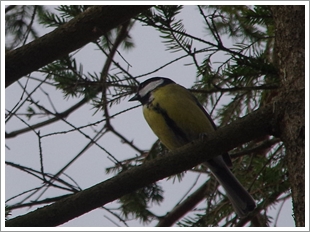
{"x": 149, "y": 53}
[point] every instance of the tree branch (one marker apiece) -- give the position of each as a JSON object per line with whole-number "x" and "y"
{"x": 256, "y": 124}
{"x": 86, "y": 27}
{"x": 58, "y": 116}
{"x": 185, "y": 206}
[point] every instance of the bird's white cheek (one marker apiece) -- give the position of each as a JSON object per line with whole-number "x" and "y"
{"x": 150, "y": 87}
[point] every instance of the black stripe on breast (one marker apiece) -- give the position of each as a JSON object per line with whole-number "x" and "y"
{"x": 171, "y": 124}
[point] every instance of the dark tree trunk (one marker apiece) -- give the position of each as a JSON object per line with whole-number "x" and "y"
{"x": 290, "y": 52}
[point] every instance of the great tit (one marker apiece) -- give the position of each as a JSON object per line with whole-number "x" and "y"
{"x": 177, "y": 118}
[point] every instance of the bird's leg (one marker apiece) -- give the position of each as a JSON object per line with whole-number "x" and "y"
{"x": 203, "y": 136}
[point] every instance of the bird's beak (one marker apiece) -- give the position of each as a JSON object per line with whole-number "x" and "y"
{"x": 134, "y": 98}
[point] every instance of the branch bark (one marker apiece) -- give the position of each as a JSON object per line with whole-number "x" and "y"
{"x": 86, "y": 27}
{"x": 256, "y": 124}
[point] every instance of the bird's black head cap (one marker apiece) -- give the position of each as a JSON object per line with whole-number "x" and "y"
{"x": 146, "y": 87}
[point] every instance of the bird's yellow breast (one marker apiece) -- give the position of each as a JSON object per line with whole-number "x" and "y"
{"x": 178, "y": 105}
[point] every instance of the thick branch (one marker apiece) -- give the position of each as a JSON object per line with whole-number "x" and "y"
{"x": 86, "y": 27}
{"x": 254, "y": 125}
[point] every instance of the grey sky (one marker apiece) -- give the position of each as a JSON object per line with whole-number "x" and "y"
{"x": 89, "y": 169}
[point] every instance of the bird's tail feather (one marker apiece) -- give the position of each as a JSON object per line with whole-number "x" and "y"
{"x": 241, "y": 200}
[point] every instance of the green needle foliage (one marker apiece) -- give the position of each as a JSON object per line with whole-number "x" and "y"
{"x": 242, "y": 80}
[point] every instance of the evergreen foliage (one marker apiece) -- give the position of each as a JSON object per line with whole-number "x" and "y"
{"x": 247, "y": 77}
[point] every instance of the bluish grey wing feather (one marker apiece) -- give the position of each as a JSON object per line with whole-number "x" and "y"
{"x": 225, "y": 156}
{"x": 241, "y": 200}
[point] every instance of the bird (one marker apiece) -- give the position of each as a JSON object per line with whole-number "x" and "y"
{"x": 177, "y": 118}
